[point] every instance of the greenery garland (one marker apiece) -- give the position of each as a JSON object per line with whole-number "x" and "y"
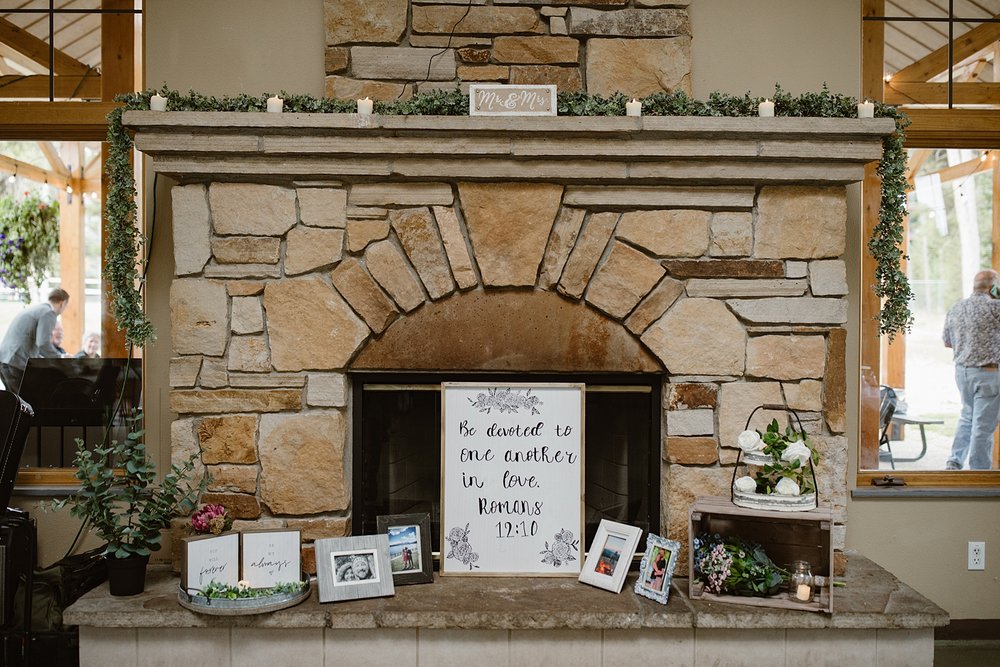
{"x": 124, "y": 252}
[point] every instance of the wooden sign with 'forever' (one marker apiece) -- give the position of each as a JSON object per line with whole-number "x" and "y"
{"x": 511, "y": 479}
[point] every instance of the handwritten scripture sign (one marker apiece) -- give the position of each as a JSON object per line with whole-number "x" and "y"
{"x": 271, "y": 557}
{"x": 512, "y": 479}
{"x": 208, "y": 559}
{"x": 506, "y": 100}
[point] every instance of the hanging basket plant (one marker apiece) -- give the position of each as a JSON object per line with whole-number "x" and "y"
{"x": 29, "y": 239}
{"x": 125, "y": 261}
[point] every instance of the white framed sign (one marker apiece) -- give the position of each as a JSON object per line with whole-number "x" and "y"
{"x": 511, "y": 478}
{"x": 270, "y": 557}
{"x": 210, "y": 558}
{"x": 499, "y": 99}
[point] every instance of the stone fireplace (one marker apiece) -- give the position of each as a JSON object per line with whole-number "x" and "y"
{"x": 705, "y": 251}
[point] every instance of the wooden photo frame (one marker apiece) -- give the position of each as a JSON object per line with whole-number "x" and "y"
{"x": 410, "y": 557}
{"x": 610, "y": 555}
{"x": 352, "y": 568}
{"x": 209, "y": 558}
{"x": 270, "y": 557}
{"x": 657, "y": 568}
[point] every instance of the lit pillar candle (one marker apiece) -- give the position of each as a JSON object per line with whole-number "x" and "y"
{"x": 157, "y": 103}
{"x": 633, "y": 108}
{"x": 766, "y": 109}
{"x": 803, "y": 592}
{"x": 365, "y": 106}
{"x": 275, "y": 104}
{"x": 866, "y": 109}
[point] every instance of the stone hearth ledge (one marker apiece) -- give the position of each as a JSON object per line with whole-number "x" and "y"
{"x": 872, "y": 599}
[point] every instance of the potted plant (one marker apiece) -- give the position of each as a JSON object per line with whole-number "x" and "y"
{"x": 119, "y": 497}
{"x": 784, "y": 477}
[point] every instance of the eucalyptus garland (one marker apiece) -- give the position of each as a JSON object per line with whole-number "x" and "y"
{"x": 124, "y": 257}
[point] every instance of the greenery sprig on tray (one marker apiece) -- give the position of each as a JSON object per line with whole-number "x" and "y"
{"x": 125, "y": 261}
{"x": 242, "y": 591}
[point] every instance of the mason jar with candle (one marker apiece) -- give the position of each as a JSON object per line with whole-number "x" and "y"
{"x": 801, "y": 584}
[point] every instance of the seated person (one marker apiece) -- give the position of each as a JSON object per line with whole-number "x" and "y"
{"x": 57, "y": 339}
{"x": 91, "y": 347}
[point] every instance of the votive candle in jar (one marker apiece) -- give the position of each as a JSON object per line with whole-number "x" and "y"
{"x": 801, "y": 584}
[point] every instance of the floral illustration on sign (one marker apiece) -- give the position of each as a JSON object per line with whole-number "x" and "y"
{"x": 561, "y": 550}
{"x": 461, "y": 550}
{"x": 506, "y": 400}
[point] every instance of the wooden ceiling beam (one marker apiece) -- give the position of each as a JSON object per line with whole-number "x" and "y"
{"x": 37, "y": 49}
{"x": 953, "y": 128}
{"x": 936, "y": 62}
{"x": 905, "y": 92}
{"x": 60, "y": 121}
{"x": 37, "y": 86}
{"x": 963, "y": 170}
{"x": 915, "y": 162}
{"x": 52, "y": 155}
{"x": 32, "y": 172}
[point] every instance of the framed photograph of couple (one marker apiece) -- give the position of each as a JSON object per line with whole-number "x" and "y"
{"x": 409, "y": 547}
{"x": 352, "y": 568}
{"x": 657, "y": 568}
{"x": 610, "y": 555}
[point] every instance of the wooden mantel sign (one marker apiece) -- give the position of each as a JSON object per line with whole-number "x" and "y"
{"x": 512, "y": 479}
{"x": 509, "y": 100}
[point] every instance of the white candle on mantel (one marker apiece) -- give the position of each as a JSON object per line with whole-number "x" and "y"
{"x": 804, "y": 593}
{"x": 275, "y": 104}
{"x": 633, "y": 108}
{"x": 157, "y": 103}
{"x": 766, "y": 109}
{"x": 366, "y": 106}
{"x": 866, "y": 109}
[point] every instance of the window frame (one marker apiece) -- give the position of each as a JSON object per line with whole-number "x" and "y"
{"x": 82, "y": 121}
{"x": 929, "y": 128}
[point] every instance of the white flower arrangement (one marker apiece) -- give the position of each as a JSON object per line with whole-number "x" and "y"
{"x": 784, "y": 477}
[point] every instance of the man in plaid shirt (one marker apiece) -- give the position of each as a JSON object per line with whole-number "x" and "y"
{"x": 972, "y": 330}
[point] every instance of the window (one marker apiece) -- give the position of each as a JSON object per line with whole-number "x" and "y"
{"x": 61, "y": 65}
{"x": 940, "y": 61}
{"x": 397, "y": 448}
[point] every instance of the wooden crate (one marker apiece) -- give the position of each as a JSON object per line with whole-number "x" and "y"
{"x": 785, "y": 536}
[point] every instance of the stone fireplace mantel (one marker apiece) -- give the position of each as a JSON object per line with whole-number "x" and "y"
{"x": 645, "y": 151}
{"x": 705, "y": 251}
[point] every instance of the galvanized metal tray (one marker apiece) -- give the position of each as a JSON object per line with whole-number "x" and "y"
{"x": 244, "y": 606}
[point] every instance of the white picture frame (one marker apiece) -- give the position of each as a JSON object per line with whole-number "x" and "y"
{"x": 610, "y": 555}
{"x": 210, "y": 558}
{"x": 270, "y": 557}
{"x": 353, "y": 568}
{"x": 657, "y": 568}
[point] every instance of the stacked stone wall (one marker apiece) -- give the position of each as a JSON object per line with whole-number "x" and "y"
{"x": 389, "y": 49}
{"x": 300, "y": 285}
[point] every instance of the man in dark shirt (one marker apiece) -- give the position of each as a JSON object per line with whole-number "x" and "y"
{"x": 30, "y": 335}
{"x": 972, "y": 330}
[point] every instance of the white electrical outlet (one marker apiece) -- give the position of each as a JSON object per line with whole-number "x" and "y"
{"x": 977, "y": 555}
